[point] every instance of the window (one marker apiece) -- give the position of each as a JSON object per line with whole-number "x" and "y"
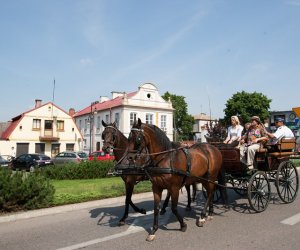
{"x": 36, "y": 125}
{"x": 107, "y": 118}
{"x": 117, "y": 119}
{"x": 163, "y": 122}
{"x": 85, "y": 124}
{"x": 132, "y": 118}
{"x": 40, "y": 148}
{"x": 60, "y": 125}
{"x": 48, "y": 124}
{"x": 149, "y": 118}
{"x": 98, "y": 123}
{"x": 70, "y": 146}
{"x": 80, "y": 125}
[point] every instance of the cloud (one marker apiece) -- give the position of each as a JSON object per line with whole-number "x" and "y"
{"x": 293, "y": 2}
{"x": 86, "y": 61}
{"x": 165, "y": 46}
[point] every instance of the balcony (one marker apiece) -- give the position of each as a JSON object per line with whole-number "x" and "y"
{"x": 49, "y": 137}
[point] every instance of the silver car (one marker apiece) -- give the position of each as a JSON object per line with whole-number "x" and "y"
{"x": 69, "y": 156}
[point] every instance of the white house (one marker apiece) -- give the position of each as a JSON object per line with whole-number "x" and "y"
{"x": 146, "y": 103}
{"x": 44, "y": 129}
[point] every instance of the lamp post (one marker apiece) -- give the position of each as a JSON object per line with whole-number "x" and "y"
{"x": 91, "y": 116}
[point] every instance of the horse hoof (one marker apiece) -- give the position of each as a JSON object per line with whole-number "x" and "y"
{"x": 183, "y": 228}
{"x": 121, "y": 223}
{"x": 143, "y": 211}
{"x": 200, "y": 222}
{"x": 188, "y": 209}
{"x": 150, "y": 237}
{"x": 162, "y": 212}
{"x": 209, "y": 217}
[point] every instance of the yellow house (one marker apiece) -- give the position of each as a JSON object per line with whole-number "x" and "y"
{"x": 44, "y": 129}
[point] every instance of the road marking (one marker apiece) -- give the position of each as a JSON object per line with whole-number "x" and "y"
{"x": 141, "y": 223}
{"x": 291, "y": 220}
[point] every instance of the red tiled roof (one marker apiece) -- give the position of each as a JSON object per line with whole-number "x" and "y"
{"x": 104, "y": 105}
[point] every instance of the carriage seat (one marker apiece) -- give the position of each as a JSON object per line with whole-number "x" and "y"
{"x": 285, "y": 147}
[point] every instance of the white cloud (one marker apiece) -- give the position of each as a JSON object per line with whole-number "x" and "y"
{"x": 86, "y": 61}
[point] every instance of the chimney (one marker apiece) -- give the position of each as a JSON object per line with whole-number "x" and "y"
{"x": 38, "y": 103}
{"x": 71, "y": 112}
{"x": 104, "y": 99}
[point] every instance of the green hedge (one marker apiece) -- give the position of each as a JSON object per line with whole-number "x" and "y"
{"x": 21, "y": 191}
{"x": 83, "y": 170}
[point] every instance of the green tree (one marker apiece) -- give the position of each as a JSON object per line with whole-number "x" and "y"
{"x": 245, "y": 105}
{"x": 183, "y": 121}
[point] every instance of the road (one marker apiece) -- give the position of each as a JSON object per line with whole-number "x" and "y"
{"x": 96, "y": 227}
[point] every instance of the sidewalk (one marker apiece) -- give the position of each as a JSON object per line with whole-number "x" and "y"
{"x": 71, "y": 207}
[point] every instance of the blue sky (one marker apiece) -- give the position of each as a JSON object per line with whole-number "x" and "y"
{"x": 203, "y": 50}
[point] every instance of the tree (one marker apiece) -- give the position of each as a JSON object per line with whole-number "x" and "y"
{"x": 245, "y": 105}
{"x": 183, "y": 122}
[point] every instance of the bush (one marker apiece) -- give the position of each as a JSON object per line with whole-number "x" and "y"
{"x": 21, "y": 191}
{"x": 83, "y": 170}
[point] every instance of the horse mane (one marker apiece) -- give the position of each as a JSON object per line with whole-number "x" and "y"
{"x": 162, "y": 138}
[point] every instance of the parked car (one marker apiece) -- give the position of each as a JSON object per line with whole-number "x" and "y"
{"x": 101, "y": 156}
{"x": 3, "y": 162}
{"x": 69, "y": 156}
{"x": 30, "y": 162}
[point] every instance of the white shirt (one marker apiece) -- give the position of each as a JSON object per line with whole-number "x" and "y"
{"x": 235, "y": 132}
{"x": 282, "y": 131}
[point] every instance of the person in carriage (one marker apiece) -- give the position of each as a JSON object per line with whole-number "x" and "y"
{"x": 234, "y": 133}
{"x": 251, "y": 142}
{"x": 281, "y": 132}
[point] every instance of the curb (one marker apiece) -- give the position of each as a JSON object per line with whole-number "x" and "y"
{"x": 71, "y": 207}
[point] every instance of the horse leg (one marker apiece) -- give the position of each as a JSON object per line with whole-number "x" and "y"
{"x": 194, "y": 191}
{"x": 174, "y": 196}
{"x": 157, "y": 192}
{"x": 223, "y": 190}
{"x": 209, "y": 202}
{"x": 129, "y": 190}
{"x": 165, "y": 205}
{"x": 188, "y": 190}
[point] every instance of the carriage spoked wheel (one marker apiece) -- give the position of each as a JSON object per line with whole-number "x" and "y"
{"x": 287, "y": 181}
{"x": 259, "y": 191}
{"x": 217, "y": 194}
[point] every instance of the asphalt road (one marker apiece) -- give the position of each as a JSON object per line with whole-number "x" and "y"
{"x": 94, "y": 225}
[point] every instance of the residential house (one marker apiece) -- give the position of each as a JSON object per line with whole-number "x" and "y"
{"x": 123, "y": 108}
{"x": 44, "y": 129}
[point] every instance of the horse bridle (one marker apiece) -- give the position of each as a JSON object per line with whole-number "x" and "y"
{"x": 114, "y": 136}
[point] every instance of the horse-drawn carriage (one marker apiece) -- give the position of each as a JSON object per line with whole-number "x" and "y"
{"x": 270, "y": 167}
{"x": 150, "y": 154}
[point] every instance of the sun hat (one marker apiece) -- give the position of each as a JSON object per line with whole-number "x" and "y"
{"x": 255, "y": 118}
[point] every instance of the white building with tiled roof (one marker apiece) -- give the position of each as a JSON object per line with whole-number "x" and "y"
{"x": 123, "y": 108}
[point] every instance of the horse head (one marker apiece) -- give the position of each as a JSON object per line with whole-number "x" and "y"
{"x": 147, "y": 138}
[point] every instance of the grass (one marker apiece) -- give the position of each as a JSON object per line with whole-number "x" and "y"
{"x": 74, "y": 191}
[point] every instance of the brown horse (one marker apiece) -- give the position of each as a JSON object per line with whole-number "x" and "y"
{"x": 114, "y": 139}
{"x": 175, "y": 166}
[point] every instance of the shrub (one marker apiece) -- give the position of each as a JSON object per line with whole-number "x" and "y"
{"x": 83, "y": 170}
{"x": 20, "y": 190}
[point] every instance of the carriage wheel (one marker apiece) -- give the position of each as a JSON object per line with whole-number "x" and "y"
{"x": 259, "y": 192}
{"x": 287, "y": 181}
{"x": 217, "y": 194}
{"x": 240, "y": 184}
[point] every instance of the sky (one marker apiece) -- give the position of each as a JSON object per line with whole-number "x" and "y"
{"x": 204, "y": 50}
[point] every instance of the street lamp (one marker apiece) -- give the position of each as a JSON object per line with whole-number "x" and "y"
{"x": 91, "y": 117}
